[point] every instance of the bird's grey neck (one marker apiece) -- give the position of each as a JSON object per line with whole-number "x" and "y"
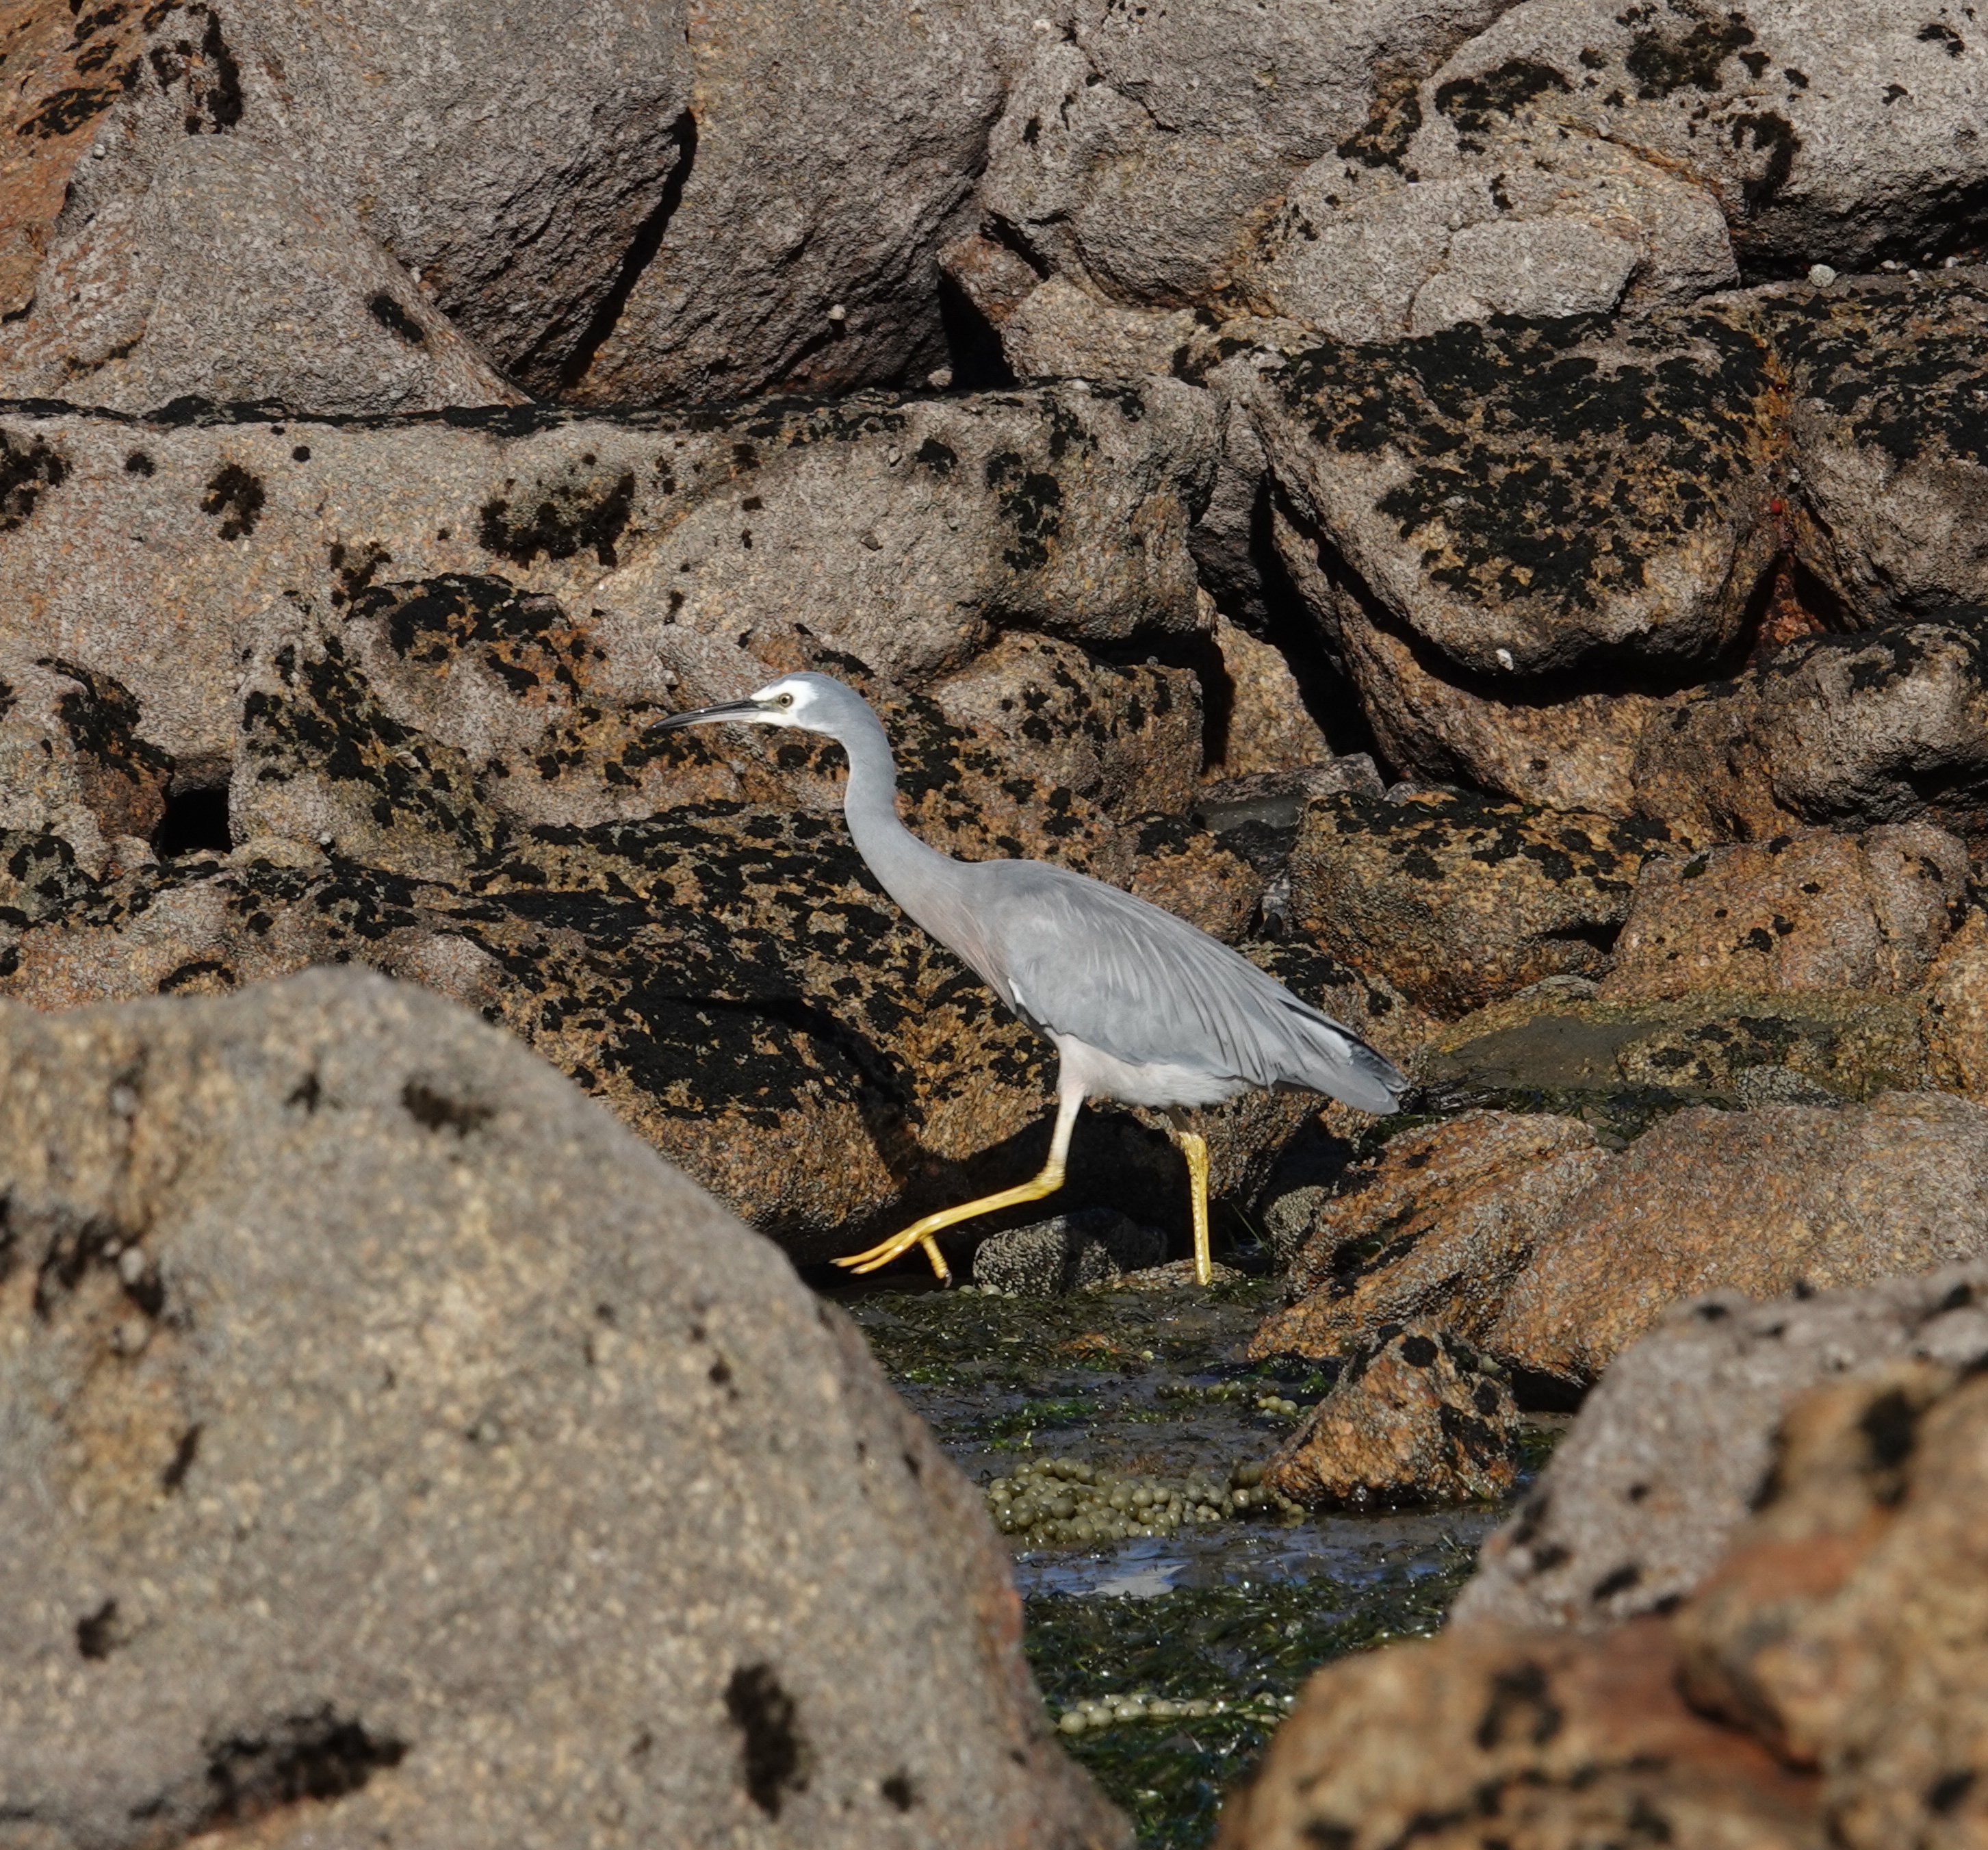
{"x": 891, "y": 851}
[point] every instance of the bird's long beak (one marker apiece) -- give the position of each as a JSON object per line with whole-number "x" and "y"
{"x": 730, "y": 710}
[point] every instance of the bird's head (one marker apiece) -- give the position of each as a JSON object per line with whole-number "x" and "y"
{"x": 816, "y": 703}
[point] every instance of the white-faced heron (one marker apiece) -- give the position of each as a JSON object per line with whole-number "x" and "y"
{"x": 1142, "y": 1006}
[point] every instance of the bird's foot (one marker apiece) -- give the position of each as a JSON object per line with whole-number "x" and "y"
{"x": 896, "y": 1247}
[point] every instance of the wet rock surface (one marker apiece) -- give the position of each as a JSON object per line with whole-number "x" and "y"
{"x": 1175, "y": 1600}
{"x": 382, "y": 1412}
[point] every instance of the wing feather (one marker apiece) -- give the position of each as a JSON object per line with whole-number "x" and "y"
{"x": 1074, "y": 956}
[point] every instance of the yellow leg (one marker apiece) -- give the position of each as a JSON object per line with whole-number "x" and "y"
{"x": 1194, "y": 1147}
{"x": 920, "y": 1233}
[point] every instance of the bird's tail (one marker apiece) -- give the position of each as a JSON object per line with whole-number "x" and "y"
{"x": 1345, "y": 1068}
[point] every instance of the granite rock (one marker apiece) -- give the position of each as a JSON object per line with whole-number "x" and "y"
{"x": 900, "y": 533}
{"x": 1459, "y": 901}
{"x": 830, "y": 157}
{"x": 1809, "y": 910}
{"x": 1677, "y": 1443}
{"x": 1435, "y": 1228}
{"x": 350, "y": 215}
{"x": 1782, "y": 1198}
{"x": 1414, "y": 1418}
{"x": 383, "y": 1416}
{"x": 1883, "y": 725}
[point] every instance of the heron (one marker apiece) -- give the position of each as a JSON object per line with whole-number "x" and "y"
{"x": 1141, "y": 1006}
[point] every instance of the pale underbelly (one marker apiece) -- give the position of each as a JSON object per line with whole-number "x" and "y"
{"x": 1101, "y": 1075}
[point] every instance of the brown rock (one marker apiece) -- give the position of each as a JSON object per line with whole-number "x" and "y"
{"x": 1128, "y": 738}
{"x": 1810, "y": 911}
{"x": 1758, "y": 1202}
{"x": 1416, "y": 1419}
{"x": 1887, "y": 725}
{"x": 1676, "y": 1446}
{"x": 1435, "y": 1229}
{"x": 1458, "y": 899}
{"x": 1057, "y": 331}
{"x": 381, "y": 1415}
{"x": 1188, "y": 871}
{"x": 1846, "y": 1626}
{"x": 70, "y": 760}
{"x": 1957, "y": 1009}
{"x": 1535, "y": 1741}
{"x": 1261, "y": 719}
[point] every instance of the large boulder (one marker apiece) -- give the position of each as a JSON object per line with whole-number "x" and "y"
{"x": 397, "y": 1448}
{"x": 1677, "y": 1443}
{"x": 829, "y": 153}
{"x": 348, "y": 215}
{"x": 698, "y": 552}
{"x": 1764, "y": 1202}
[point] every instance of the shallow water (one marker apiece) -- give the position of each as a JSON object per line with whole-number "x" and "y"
{"x": 1230, "y": 1615}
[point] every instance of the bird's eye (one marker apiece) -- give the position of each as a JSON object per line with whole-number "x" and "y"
{"x": 784, "y": 700}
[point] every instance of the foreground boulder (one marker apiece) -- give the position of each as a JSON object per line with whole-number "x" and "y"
{"x": 1824, "y": 1687}
{"x": 1676, "y": 1444}
{"x": 391, "y": 1430}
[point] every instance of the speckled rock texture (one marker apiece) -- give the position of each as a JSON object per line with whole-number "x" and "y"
{"x": 903, "y": 533}
{"x": 1762, "y": 1203}
{"x": 833, "y": 153}
{"x": 386, "y": 1426}
{"x": 1844, "y": 1628}
{"x": 1887, "y": 725}
{"x": 1066, "y": 1253}
{"x": 1435, "y": 1228}
{"x": 1885, "y": 413}
{"x": 1812, "y": 910}
{"x": 1822, "y": 1687}
{"x": 1703, "y": 1046}
{"x": 360, "y": 213}
{"x": 1522, "y": 1740}
{"x": 1677, "y": 1444}
{"x": 1957, "y": 1009}
{"x": 1139, "y": 142}
{"x": 1459, "y": 901}
{"x": 725, "y": 974}
{"x": 1527, "y": 498}
{"x": 1414, "y": 1418}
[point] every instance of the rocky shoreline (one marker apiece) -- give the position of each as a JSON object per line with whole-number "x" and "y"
{"x": 1482, "y": 510}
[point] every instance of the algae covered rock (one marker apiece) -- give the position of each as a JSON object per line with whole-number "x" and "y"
{"x": 383, "y": 1416}
{"x": 1459, "y": 901}
{"x": 1092, "y": 1247}
{"x": 1415, "y": 1418}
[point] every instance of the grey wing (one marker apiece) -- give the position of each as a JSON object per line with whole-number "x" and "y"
{"x": 1074, "y": 956}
